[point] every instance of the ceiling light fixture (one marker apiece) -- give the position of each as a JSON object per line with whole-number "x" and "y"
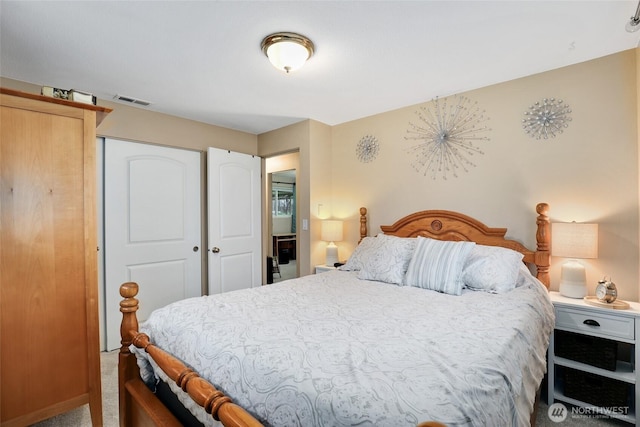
{"x": 287, "y": 51}
{"x": 634, "y": 23}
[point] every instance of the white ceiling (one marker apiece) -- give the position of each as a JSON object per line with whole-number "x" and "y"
{"x": 202, "y": 59}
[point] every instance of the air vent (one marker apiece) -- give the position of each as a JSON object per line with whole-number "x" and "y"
{"x": 131, "y": 100}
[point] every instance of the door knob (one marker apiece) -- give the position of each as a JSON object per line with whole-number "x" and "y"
{"x": 196, "y": 249}
{"x": 215, "y": 250}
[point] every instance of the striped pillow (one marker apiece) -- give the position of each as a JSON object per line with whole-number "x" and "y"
{"x": 437, "y": 265}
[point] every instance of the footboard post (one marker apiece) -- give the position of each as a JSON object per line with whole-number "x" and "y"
{"x": 127, "y": 365}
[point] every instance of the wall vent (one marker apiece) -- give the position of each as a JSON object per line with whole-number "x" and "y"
{"x": 131, "y": 100}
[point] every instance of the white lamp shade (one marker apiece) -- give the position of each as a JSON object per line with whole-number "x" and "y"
{"x": 331, "y": 231}
{"x": 287, "y": 56}
{"x": 573, "y": 240}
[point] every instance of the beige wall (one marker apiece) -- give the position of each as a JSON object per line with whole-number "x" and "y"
{"x": 312, "y": 141}
{"x": 320, "y": 196}
{"x": 143, "y": 125}
{"x": 293, "y": 138}
{"x": 637, "y": 65}
{"x": 588, "y": 173}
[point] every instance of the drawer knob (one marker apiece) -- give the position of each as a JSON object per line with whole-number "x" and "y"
{"x": 591, "y": 322}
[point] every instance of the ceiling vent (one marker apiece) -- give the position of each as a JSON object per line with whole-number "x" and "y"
{"x": 131, "y": 100}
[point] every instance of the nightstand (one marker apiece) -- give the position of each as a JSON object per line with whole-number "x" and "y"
{"x": 324, "y": 268}
{"x": 592, "y": 359}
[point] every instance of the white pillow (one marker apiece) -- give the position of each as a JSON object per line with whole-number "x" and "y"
{"x": 388, "y": 258}
{"x": 437, "y": 265}
{"x": 492, "y": 269}
{"x": 356, "y": 260}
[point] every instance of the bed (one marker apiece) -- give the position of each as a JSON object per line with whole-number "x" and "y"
{"x": 438, "y": 319}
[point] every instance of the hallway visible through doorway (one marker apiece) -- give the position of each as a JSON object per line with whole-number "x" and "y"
{"x": 287, "y": 271}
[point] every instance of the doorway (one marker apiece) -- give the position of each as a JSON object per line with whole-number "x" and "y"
{"x": 282, "y": 218}
{"x": 283, "y": 225}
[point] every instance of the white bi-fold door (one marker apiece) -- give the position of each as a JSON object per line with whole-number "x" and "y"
{"x": 153, "y": 223}
{"x": 152, "y": 227}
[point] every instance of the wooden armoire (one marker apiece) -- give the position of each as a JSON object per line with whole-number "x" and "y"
{"x": 49, "y": 332}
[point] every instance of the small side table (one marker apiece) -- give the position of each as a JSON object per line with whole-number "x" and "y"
{"x": 576, "y": 376}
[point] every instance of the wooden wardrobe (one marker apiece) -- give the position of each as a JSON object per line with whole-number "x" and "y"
{"x": 49, "y": 336}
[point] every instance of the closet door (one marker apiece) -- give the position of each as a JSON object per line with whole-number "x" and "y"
{"x": 49, "y": 359}
{"x": 152, "y": 227}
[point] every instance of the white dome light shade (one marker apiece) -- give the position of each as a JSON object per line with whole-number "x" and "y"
{"x": 287, "y": 51}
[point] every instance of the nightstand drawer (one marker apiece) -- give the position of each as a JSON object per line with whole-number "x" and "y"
{"x": 595, "y": 323}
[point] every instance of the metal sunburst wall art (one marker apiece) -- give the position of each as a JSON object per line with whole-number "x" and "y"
{"x": 367, "y": 149}
{"x": 546, "y": 119}
{"x": 446, "y": 135}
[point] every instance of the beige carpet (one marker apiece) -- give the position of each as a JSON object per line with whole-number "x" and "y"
{"x": 287, "y": 271}
{"x": 80, "y": 417}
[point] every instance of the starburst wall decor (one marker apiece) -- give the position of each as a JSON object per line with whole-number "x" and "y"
{"x": 446, "y": 135}
{"x": 547, "y": 118}
{"x": 367, "y": 148}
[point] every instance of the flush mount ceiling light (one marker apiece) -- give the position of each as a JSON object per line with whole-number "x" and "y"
{"x": 634, "y": 23}
{"x": 287, "y": 51}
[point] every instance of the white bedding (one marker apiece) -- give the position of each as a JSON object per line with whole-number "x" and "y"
{"x": 333, "y": 350}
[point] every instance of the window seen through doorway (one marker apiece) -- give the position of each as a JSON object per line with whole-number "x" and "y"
{"x": 282, "y": 200}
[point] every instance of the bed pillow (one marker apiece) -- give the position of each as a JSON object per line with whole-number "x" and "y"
{"x": 388, "y": 258}
{"x": 492, "y": 269}
{"x": 437, "y": 265}
{"x": 359, "y": 255}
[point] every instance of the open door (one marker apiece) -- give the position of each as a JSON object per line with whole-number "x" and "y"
{"x": 235, "y": 249}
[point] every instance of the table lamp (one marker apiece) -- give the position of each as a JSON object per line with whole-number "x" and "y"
{"x": 575, "y": 241}
{"x": 331, "y": 232}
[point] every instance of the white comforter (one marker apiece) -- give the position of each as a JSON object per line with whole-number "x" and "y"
{"x": 333, "y": 350}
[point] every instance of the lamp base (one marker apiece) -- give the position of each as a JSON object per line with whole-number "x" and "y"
{"x": 573, "y": 280}
{"x": 573, "y": 289}
{"x": 332, "y": 254}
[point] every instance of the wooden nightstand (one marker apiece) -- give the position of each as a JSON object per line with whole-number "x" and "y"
{"x": 593, "y": 359}
{"x": 324, "y": 268}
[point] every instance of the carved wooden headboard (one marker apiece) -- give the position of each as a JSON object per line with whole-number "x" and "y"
{"x": 448, "y": 225}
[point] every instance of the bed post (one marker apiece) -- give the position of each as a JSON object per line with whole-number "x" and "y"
{"x": 363, "y": 224}
{"x": 139, "y": 405}
{"x": 127, "y": 365}
{"x": 543, "y": 238}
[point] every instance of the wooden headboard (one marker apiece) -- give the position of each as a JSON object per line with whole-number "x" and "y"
{"x": 448, "y": 225}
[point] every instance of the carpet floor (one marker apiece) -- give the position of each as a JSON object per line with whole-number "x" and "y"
{"x": 80, "y": 417}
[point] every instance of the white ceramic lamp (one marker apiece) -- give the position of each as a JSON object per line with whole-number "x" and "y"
{"x": 575, "y": 241}
{"x": 331, "y": 232}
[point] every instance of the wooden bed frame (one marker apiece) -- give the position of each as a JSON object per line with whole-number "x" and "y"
{"x": 139, "y": 406}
